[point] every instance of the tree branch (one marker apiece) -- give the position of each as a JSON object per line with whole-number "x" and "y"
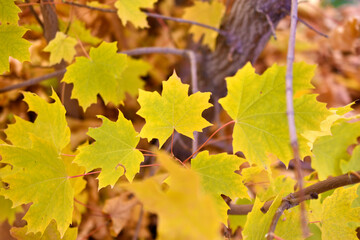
{"x": 153, "y": 15}
{"x": 310, "y": 192}
{"x": 33, "y": 81}
{"x": 291, "y": 123}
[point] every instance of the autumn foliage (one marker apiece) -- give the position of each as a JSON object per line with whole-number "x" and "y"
{"x": 118, "y": 142}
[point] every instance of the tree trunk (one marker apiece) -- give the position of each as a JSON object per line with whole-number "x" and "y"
{"x": 249, "y": 27}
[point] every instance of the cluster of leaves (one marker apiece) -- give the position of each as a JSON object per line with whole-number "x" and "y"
{"x": 40, "y": 169}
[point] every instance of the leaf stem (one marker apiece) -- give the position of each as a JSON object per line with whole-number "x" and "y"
{"x": 212, "y": 135}
{"x": 172, "y": 143}
{"x": 85, "y": 174}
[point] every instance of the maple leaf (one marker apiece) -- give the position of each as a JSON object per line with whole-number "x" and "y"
{"x": 50, "y": 233}
{"x": 119, "y": 209}
{"x": 175, "y": 207}
{"x": 174, "y": 110}
{"x": 217, "y": 175}
{"x": 101, "y": 74}
{"x": 114, "y": 151}
{"x": 290, "y": 220}
{"x": 132, "y": 82}
{"x": 214, "y": 12}
{"x": 259, "y": 111}
{"x": 330, "y": 151}
{"x": 353, "y": 164}
{"x": 39, "y": 177}
{"x": 78, "y": 30}
{"x": 257, "y": 223}
{"x": 9, "y": 12}
{"x": 61, "y": 47}
{"x": 6, "y": 210}
{"x": 337, "y": 214}
{"x": 50, "y": 123}
{"x": 12, "y": 44}
{"x": 129, "y": 10}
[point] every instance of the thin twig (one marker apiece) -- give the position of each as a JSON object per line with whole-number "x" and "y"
{"x": 90, "y": 7}
{"x": 291, "y": 121}
{"x": 138, "y": 224}
{"x": 310, "y": 192}
{"x": 211, "y": 136}
{"x": 308, "y": 25}
{"x": 194, "y": 89}
{"x": 34, "y": 13}
{"x": 312, "y": 28}
{"x": 153, "y": 15}
{"x": 33, "y": 81}
{"x": 180, "y": 20}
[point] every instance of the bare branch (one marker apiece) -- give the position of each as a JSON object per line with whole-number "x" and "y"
{"x": 310, "y": 192}
{"x": 33, "y": 81}
{"x": 153, "y": 15}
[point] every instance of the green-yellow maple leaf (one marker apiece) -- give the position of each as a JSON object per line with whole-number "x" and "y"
{"x": 101, "y": 74}
{"x": 12, "y": 44}
{"x": 129, "y": 10}
{"x": 131, "y": 81}
{"x": 39, "y": 177}
{"x": 114, "y": 151}
{"x": 6, "y": 210}
{"x": 51, "y": 233}
{"x": 206, "y": 13}
{"x": 61, "y": 47}
{"x": 338, "y": 217}
{"x": 329, "y": 151}
{"x": 217, "y": 175}
{"x": 174, "y": 110}
{"x": 257, "y": 224}
{"x": 9, "y": 12}
{"x": 354, "y": 162}
{"x": 50, "y": 123}
{"x": 78, "y": 30}
{"x": 184, "y": 210}
{"x": 257, "y": 103}
{"x": 289, "y": 225}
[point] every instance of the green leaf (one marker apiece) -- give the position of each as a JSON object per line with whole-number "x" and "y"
{"x": 257, "y": 224}
{"x": 217, "y": 176}
{"x": 174, "y": 110}
{"x": 78, "y": 30}
{"x": 279, "y": 184}
{"x": 101, "y": 74}
{"x": 39, "y": 177}
{"x": 12, "y": 44}
{"x": 130, "y": 11}
{"x": 61, "y": 47}
{"x": 131, "y": 81}
{"x": 289, "y": 225}
{"x": 51, "y": 233}
{"x": 338, "y": 216}
{"x": 50, "y": 123}
{"x": 184, "y": 210}
{"x": 214, "y": 11}
{"x": 9, "y": 12}
{"x": 258, "y": 105}
{"x": 6, "y": 210}
{"x": 329, "y": 151}
{"x": 114, "y": 151}
{"x": 353, "y": 164}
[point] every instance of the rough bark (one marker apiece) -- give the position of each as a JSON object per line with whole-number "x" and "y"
{"x": 248, "y": 31}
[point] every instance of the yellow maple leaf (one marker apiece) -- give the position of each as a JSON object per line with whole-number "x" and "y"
{"x": 129, "y": 10}
{"x": 206, "y": 13}
{"x": 61, "y": 47}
